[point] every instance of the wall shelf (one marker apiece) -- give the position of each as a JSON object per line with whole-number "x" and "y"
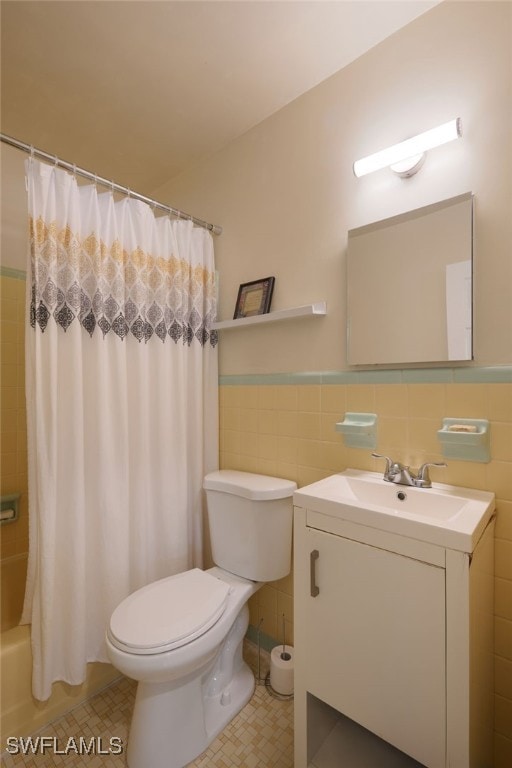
{"x": 317, "y": 309}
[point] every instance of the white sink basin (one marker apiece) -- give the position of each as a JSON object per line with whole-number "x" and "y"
{"x": 444, "y": 514}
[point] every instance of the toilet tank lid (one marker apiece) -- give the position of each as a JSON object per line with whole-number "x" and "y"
{"x": 249, "y": 485}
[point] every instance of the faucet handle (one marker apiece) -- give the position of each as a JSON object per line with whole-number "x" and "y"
{"x": 389, "y": 462}
{"x": 423, "y": 477}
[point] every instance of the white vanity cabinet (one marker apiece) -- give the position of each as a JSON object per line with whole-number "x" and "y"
{"x": 395, "y": 634}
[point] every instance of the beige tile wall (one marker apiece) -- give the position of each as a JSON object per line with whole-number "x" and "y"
{"x": 13, "y": 431}
{"x": 288, "y": 431}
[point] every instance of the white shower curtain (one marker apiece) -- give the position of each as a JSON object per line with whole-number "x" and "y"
{"x": 121, "y": 406}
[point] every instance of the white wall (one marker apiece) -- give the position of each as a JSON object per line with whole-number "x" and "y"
{"x": 286, "y": 196}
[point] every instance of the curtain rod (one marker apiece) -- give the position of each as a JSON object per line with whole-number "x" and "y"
{"x": 213, "y": 228}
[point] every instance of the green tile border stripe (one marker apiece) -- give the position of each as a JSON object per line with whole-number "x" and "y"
{"x": 495, "y": 374}
{"x": 16, "y": 274}
{"x": 271, "y": 378}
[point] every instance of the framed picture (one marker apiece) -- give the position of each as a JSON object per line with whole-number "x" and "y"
{"x": 254, "y": 298}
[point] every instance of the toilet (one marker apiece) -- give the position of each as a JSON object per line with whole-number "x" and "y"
{"x": 181, "y": 637}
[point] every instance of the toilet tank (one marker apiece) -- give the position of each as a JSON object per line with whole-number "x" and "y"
{"x": 250, "y": 518}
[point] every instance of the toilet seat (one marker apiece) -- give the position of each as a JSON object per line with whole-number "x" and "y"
{"x": 168, "y": 613}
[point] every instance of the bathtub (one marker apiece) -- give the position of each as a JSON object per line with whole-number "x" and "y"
{"x": 13, "y": 577}
{"x": 22, "y": 715}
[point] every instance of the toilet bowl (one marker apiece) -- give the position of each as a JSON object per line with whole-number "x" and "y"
{"x": 181, "y": 637}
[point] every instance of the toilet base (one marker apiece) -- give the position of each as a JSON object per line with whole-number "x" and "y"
{"x": 174, "y": 723}
{"x": 220, "y": 710}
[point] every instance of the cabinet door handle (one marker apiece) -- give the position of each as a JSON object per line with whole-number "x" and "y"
{"x": 313, "y": 557}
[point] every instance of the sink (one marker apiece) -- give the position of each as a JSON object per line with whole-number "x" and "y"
{"x": 446, "y": 515}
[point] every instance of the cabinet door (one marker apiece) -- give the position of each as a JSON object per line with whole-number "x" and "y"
{"x": 375, "y": 641}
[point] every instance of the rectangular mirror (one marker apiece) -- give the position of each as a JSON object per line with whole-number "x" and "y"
{"x": 409, "y": 286}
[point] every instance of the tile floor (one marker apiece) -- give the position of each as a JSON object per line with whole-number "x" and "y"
{"x": 260, "y": 736}
{"x": 359, "y": 748}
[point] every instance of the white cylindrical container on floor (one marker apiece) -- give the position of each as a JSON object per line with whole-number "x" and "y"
{"x": 281, "y": 669}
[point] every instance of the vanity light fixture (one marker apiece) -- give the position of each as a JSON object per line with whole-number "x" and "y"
{"x": 407, "y": 157}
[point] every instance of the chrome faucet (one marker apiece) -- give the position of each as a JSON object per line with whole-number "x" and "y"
{"x": 398, "y": 473}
